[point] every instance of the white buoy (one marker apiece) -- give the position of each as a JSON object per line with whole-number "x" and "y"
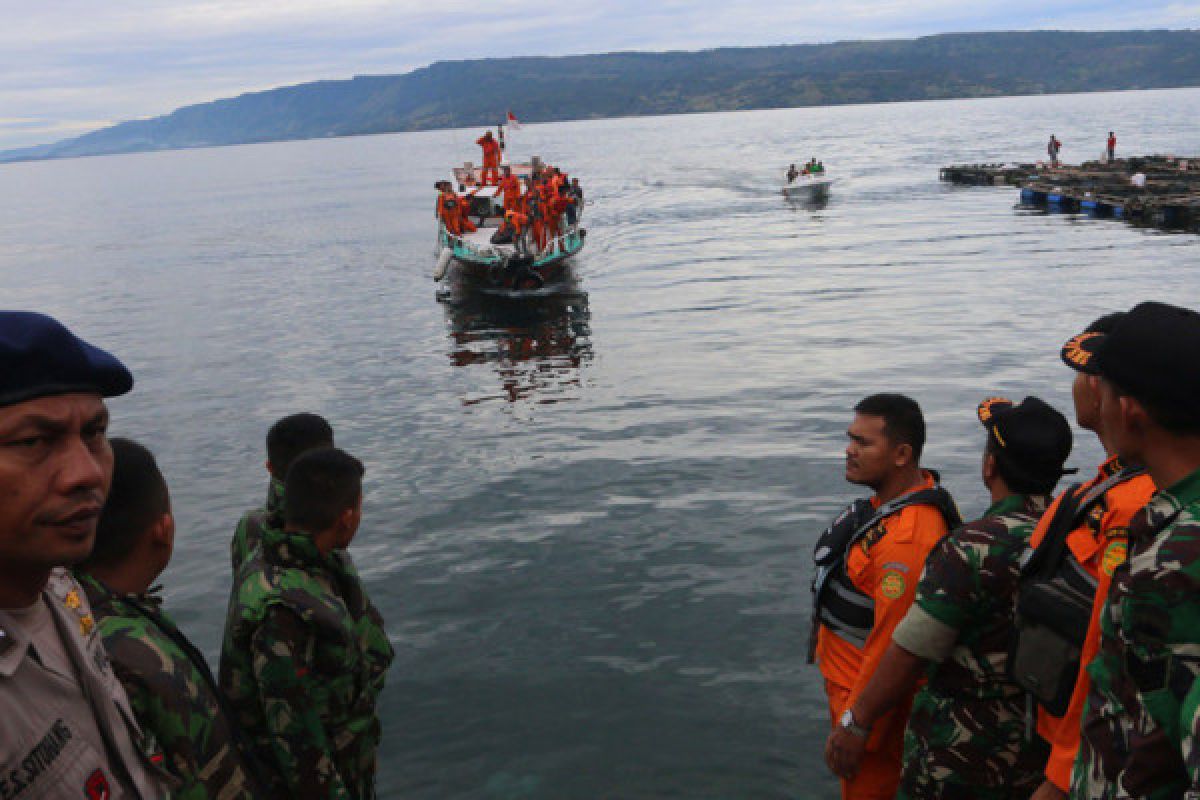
{"x": 443, "y": 263}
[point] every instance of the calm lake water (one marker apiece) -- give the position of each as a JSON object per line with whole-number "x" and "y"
{"x": 589, "y": 518}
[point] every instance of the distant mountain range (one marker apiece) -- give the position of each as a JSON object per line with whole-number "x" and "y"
{"x": 464, "y": 93}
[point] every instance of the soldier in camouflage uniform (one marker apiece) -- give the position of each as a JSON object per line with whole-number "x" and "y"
{"x": 1141, "y": 725}
{"x": 286, "y": 440}
{"x": 966, "y": 737}
{"x": 305, "y": 653}
{"x": 170, "y": 688}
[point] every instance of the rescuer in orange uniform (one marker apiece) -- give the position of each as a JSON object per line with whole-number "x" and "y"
{"x": 868, "y": 564}
{"x": 447, "y": 208}
{"x": 510, "y": 189}
{"x": 1095, "y": 545}
{"x": 491, "y": 158}
{"x": 464, "y": 215}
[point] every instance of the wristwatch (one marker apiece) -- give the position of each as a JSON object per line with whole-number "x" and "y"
{"x": 847, "y": 722}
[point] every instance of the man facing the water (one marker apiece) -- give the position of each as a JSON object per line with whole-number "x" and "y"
{"x": 171, "y": 690}
{"x": 305, "y": 654}
{"x": 1141, "y": 726}
{"x": 1087, "y": 542}
{"x": 966, "y": 735}
{"x": 868, "y": 563}
{"x": 288, "y": 439}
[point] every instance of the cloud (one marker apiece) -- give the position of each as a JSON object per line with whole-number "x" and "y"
{"x": 71, "y": 63}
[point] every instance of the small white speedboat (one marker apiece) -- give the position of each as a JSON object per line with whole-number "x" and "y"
{"x": 808, "y": 187}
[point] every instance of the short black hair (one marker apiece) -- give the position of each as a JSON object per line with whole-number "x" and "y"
{"x": 320, "y": 486}
{"x": 136, "y": 500}
{"x": 903, "y": 422}
{"x": 293, "y": 435}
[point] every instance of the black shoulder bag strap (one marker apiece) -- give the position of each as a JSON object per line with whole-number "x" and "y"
{"x": 1044, "y": 560}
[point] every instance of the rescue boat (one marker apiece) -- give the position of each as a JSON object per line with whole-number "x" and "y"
{"x": 516, "y": 265}
{"x": 808, "y": 187}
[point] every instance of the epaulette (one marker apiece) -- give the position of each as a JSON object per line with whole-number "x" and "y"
{"x": 63, "y": 587}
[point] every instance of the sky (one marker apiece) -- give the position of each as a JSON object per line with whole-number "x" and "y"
{"x": 71, "y": 66}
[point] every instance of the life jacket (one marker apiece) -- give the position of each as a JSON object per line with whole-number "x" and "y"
{"x": 517, "y": 220}
{"x": 1055, "y": 596}
{"x": 837, "y": 603}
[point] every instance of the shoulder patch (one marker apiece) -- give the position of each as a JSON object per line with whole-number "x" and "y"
{"x": 892, "y": 585}
{"x": 1114, "y": 556}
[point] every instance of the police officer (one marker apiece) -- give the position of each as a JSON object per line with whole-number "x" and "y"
{"x": 173, "y": 694}
{"x": 1084, "y": 534}
{"x": 287, "y": 439}
{"x": 305, "y": 654}
{"x": 66, "y": 729}
{"x": 868, "y": 563}
{"x": 1141, "y": 727}
{"x": 966, "y": 735}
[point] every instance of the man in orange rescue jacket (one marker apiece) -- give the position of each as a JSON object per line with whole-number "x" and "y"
{"x": 491, "y": 158}
{"x": 868, "y": 564}
{"x": 1096, "y": 545}
{"x": 510, "y": 189}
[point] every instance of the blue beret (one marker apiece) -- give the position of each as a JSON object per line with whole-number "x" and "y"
{"x": 40, "y": 357}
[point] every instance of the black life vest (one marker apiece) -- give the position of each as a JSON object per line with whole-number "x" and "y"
{"x": 1055, "y": 596}
{"x": 837, "y": 603}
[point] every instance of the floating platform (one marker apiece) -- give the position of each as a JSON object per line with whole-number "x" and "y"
{"x": 1157, "y": 191}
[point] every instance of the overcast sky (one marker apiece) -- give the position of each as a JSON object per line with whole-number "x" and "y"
{"x": 70, "y": 66}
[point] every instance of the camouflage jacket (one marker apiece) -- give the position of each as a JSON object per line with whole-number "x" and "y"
{"x": 250, "y": 527}
{"x": 967, "y": 732}
{"x": 1141, "y": 726}
{"x": 303, "y": 664}
{"x": 173, "y": 695}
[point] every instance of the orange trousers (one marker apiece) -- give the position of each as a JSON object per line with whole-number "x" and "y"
{"x": 490, "y": 167}
{"x": 878, "y": 775}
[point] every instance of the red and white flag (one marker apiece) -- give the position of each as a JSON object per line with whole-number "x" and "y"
{"x": 512, "y": 121}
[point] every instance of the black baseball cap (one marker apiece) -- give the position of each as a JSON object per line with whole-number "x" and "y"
{"x": 1032, "y": 438}
{"x": 40, "y": 357}
{"x": 1153, "y": 354}
{"x": 1079, "y": 353}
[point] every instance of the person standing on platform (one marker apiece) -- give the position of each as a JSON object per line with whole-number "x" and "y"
{"x": 868, "y": 563}
{"x": 288, "y": 439}
{"x": 1078, "y": 545}
{"x": 1112, "y": 147}
{"x": 66, "y": 728}
{"x": 1141, "y": 725}
{"x": 967, "y": 734}
{"x": 491, "y": 158}
{"x": 173, "y": 694}
{"x": 305, "y": 653}
{"x": 1052, "y": 148}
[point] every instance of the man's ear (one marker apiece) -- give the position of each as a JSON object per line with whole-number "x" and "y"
{"x": 162, "y": 532}
{"x": 1134, "y": 416}
{"x": 989, "y": 467}
{"x": 902, "y": 455}
{"x": 270, "y": 471}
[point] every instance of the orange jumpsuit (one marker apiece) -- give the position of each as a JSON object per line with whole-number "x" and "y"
{"x": 491, "y": 158}
{"x": 887, "y": 571}
{"x": 464, "y": 217}
{"x": 1100, "y": 546}
{"x": 510, "y": 188}
{"x": 448, "y": 209}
